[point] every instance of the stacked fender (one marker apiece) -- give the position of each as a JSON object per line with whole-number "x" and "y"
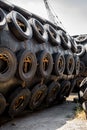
{"x": 38, "y": 61}
{"x": 81, "y": 41}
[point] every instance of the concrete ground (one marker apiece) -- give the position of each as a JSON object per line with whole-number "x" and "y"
{"x": 61, "y": 117}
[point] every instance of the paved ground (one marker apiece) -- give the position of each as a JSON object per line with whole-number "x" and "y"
{"x": 55, "y": 118}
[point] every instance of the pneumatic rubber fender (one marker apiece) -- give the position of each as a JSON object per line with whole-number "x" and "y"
{"x": 8, "y": 64}
{"x": 45, "y": 64}
{"x": 38, "y": 94}
{"x": 27, "y": 64}
{"x": 39, "y": 31}
{"x": 59, "y": 63}
{"x": 18, "y": 100}
{"x": 65, "y": 41}
{"x": 2, "y": 19}
{"x": 19, "y": 26}
{"x": 54, "y": 37}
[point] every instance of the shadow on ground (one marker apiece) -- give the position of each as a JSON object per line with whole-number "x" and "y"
{"x": 48, "y": 119}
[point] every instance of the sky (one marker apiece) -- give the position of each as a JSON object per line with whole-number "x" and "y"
{"x": 72, "y": 13}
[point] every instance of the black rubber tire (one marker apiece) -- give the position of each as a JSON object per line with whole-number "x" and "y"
{"x": 54, "y": 37}
{"x": 64, "y": 89}
{"x": 41, "y": 70}
{"x": 84, "y": 106}
{"x": 77, "y": 65}
{"x": 53, "y": 90}
{"x": 2, "y": 103}
{"x": 59, "y": 63}
{"x": 18, "y": 100}
{"x": 9, "y": 65}
{"x": 65, "y": 41}
{"x": 83, "y": 89}
{"x": 4, "y": 4}
{"x": 80, "y": 50}
{"x": 72, "y": 86}
{"x": 82, "y": 68}
{"x": 63, "y": 92}
{"x": 2, "y": 19}
{"x": 38, "y": 94}
{"x": 19, "y": 26}
{"x": 81, "y": 38}
{"x": 73, "y": 45}
{"x": 83, "y": 93}
{"x": 27, "y": 65}
{"x": 39, "y": 31}
{"x": 70, "y": 64}
{"x": 84, "y": 82}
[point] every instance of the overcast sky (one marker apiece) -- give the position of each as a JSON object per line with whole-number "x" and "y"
{"x": 72, "y": 13}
